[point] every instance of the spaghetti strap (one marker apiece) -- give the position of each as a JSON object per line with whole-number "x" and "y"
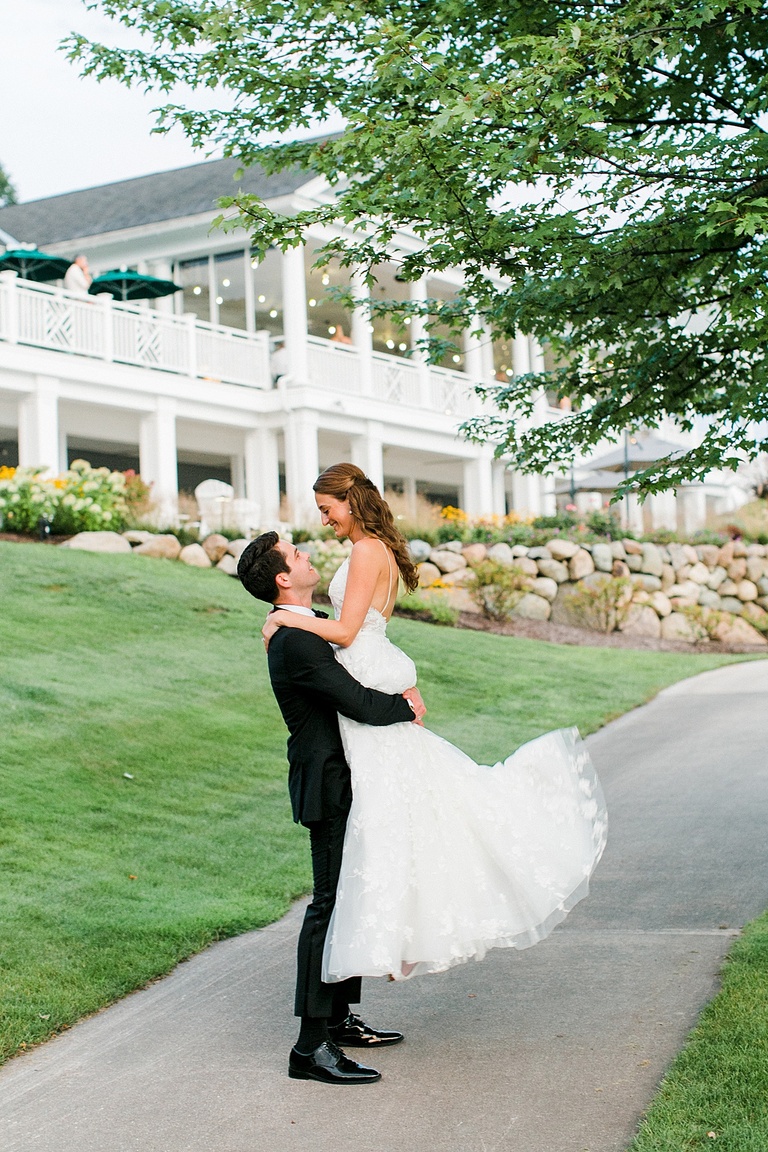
{"x": 389, "y": 569}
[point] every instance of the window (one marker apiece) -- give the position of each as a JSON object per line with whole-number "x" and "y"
{"x": 325, "y": 316}
{"x": 454, "y": 357}
{"x": 390, "y": 334}
{"x": 268, "y": 292}
{"x": 229, "y": 279}
{"x": 193, "y": 278}
{"x": 503, "y": 360}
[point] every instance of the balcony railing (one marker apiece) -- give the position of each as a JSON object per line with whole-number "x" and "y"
{"x": 340, "y": 368}
{"x": 99, "y": 327}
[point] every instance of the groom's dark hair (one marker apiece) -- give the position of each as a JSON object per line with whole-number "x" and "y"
{"x": 258, "y": 566}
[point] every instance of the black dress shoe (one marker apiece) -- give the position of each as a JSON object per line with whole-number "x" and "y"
{"x": 355, "y": 1033}
{"x": 329, "y": 1065}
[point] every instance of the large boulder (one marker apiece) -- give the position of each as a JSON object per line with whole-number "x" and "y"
{"x": 161, "y": 547}
{"x": 461, "y": 576}
{"x": 652, "y": 561}
{"x": 709, "y": 599}
{"x": 757, "y": 549}
{"x": 228, "y": 565}
{"x": 634, "y": 561}
{"x": 632, "y": 547}
{"x": 543, "y": 586}
{"x": 677, "y": 556}
{"x": 737, "y": 569}
{"x": 667, "y": 576}
{"x": 562, "y": 607}
{"x": 428, "y": 573}
{"x": 447, "y": 560}
{"x": 676, "y": 626}
{"x": 540, "y": 553}
{"x": 699, "y": 573}
{"x": 732, "y": 604}
{"x": 660, "y": 603}
{"x": 236, "y": 548}
{"x": 754, "y": 614}
{"x": 562, "y": 549}
{"x": 708, "y": 554}
{"x": 419, "y": 550}
{"x": 641, "y": 620}
{"x": 526, "y": 565}
{"x": 519, "y": 550}
{"x": 460, "y": 599}
{"x": 726, "y": 554}
{"x": 98, "y": 542}
{"x": 137, "y": 535}
{"x": 215, "y": 546}
{"x": 533, "y": 607}
{"x": 746, "y": 590}
{"x": 756, "y": 568}
{"x": 738, "y": 631}
{"x": 603, "y": 557}
{"x": 474, "y": 554}
{"x": 501, "y": 553}
{"x": 196, "y": 556}
{"x": 580, "y": 565}
{"x": 647, "y": 582}
{"x": 554, "y": 569}
{"x": 618, "y": 551}
{"x": 716, "y": 577}
{"x": 452, "y": 546}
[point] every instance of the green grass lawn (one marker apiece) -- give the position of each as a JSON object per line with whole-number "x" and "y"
{"x": 716, "y": 1092}
{"x": 143, "y": 803}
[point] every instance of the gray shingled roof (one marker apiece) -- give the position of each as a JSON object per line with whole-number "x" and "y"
{"x": 144, "y": 200}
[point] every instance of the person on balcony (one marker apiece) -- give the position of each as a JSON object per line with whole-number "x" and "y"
{"x": 339, "y": 336}
{"x": 77, "y": 277}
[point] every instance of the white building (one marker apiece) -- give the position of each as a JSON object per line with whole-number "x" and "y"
{"x": 182, "y": 389}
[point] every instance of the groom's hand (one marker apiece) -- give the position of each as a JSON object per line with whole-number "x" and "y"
{"x": 413, "y": 696}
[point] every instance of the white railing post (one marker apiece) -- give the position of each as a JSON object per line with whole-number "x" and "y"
{"x": 418, "y": 332}
{"x": 362, "y": 337}
{"x": 191, "y": 321}
{"x": 11, "y": 293}
{"x": 107, "y": 326}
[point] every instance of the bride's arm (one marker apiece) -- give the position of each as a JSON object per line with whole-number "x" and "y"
{"x": 365, "y": 567}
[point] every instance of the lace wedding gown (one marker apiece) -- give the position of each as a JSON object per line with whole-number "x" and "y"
{"x": 445, "y": 858}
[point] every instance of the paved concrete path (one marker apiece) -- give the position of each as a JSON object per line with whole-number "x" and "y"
{"x": 557, "y": 1049}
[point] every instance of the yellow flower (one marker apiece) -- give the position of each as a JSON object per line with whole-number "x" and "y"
{"x": 7, "y": 473}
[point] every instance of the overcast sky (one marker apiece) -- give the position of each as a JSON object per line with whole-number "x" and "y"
{"x": 59, "y": 133}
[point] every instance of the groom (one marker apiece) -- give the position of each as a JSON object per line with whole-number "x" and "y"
{"x": 311, "y": 687}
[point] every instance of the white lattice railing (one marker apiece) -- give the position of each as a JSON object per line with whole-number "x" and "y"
{"x": 393, "y": 379}
{"x": 99, "y": 327}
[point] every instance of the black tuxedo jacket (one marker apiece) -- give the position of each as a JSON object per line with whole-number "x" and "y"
{"x": 311, "y": 687}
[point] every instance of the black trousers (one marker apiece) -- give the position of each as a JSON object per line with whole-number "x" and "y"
{"x": 313, "y": 997}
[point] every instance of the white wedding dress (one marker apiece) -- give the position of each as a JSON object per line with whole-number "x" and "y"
{"x": 445, "y": 858}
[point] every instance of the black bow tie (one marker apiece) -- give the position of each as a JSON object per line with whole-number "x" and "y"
{"x": 322, "y": 615}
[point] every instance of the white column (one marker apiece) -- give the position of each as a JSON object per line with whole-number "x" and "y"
{"x": 362, "y": 337}
{"x": 548, "y": 495}
{"x": 262, "y": 473}
{"x": 692, "y": 515}
{"x": 158, "y": 461}
{"x": 478, "y": 486}
{"x": 418, "y": 332}
{"x": 521, "y": 354}
{"x": 162, "y": 269}
{"x": 409, "y": 490}
{"x": 302, "y": 464}
{"x": 498, "y": 476}
{"x": 664, "y": 510}
{"x": 39, "y": 442}
{"x": 367, "y": 453}
{"x": 526, "y": 494}
{"x": 295, "y": 314}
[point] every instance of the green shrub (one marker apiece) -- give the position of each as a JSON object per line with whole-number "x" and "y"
{"x": 704, "y": 622}
{"x": 90, "y": 499}
{"x": 602, "y": 605}
{"x": 497, "y": 589}
{"x": 25, "y": 499}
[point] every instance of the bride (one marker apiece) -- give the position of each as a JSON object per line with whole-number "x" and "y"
{"x": 443, "y": 858}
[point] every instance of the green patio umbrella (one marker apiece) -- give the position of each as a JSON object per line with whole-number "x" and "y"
{"x": 125, "y": 284}
{"x": 33, "y": 265}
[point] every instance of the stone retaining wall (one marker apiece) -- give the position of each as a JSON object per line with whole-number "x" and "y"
{"x": 732, "y": 579}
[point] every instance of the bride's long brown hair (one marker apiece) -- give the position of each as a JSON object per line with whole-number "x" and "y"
{"x": 370, "y": 510}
